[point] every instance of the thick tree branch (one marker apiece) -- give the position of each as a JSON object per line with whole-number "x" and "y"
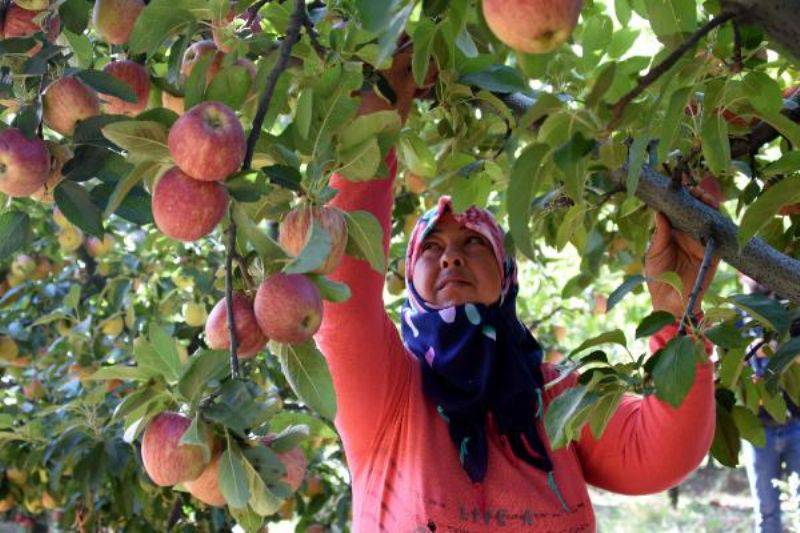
{"x": 778, "y": 18}
{"x": 662, "y": 68}
{"x": 763, "y": 132}
{"x": 756, "y": 258}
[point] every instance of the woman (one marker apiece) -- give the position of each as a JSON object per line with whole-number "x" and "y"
{"x": 443, "y": 427}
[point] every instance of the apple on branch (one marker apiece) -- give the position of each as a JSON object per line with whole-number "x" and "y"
{"x": 288, "y": 308}
{"x": 295, "y": 228}
{"x": 208, "y": 142}
{"x": 66, "y": 101}
{"x": 187, "y": 209}
{"x": 136, "y": 76}
{"x": 532, "y": 26}
{"x": 59, "y": 154}
{"x": 206, "y": 487}
{"x": 24, "y": 163}
{"x": 114, "y": 19}
{"x": 21, "y": 22}
{"x": 197, "y": 51}
{"x": 165, "y": 459}
{"x": 248, "y": 333}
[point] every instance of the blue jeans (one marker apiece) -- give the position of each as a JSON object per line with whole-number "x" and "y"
{"x": 764, "y": 465}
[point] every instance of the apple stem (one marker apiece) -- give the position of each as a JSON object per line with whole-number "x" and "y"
{"x": 663, "y": 67}
{"x": 229, "y": 293}
{"x": 284, "y": 53}
{"x": 711, "y": 247}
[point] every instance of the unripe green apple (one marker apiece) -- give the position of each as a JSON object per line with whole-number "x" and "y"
{"x": 114, "y": 19}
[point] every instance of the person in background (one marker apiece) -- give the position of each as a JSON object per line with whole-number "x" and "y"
{"x": 765, "y": 464}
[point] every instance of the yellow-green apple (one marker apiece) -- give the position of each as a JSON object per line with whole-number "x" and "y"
{"x": 59, "y": 218}
{"x": 248, "y": 333}
{"x": 207, "y": 142}
{"x": 17, "y": 476}
{"x": 48, "y": 501}
{"x": 136, "y": 76}
{"x": 288, "y": 308}
{"x": 23, "y": 265}
{"x": 113, "y": 326}
{"x": 198, "y": 50}
{"x": 206, "y": 487}
{"x": 295, "y": 229}
{"x": 99, "y": 247}
{"x": 33, "y": 5}
{"x": 114, "y": 19}
{"x": 66, "y": 101}
{"x": 7, "y": 503}
{"x": 185, "y": 208}
{"x": 194, "y": 314}
{"x": 70, "y": 239}
{"x": 532, "y": 26}
{"x": 165, "y": 459}
{"x": 59, "y": 154}
{"x": 8, "y": 349}
{"x": 24, "y": 163}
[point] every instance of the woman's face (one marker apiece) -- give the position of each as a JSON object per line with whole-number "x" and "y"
{"x": 455, "y": 266}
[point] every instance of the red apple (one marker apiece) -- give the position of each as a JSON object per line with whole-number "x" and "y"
{"x": 532, "y": 26}
{"x": 66, "y": 101}
{"x": 185, "y": 208}
{"x": 195, "y": 52}
{"x": 207, "y": 142}
{"x": 21, "y": 22}
{"x": 295, "y": 228}
{"x": 251, "y": 338}
{"x": 24, "y": 163}
{"x": 114, "y": 19}
{"x": 166, "y": 461}
{"x": 206, "y": 487}
{"x": 294, "y": 461}
{"x": 288, "y": 308}
{"x": 136, "y": 76}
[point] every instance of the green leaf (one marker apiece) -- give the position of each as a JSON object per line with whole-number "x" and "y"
{"x": 266, "y": 248}
{"x": 763, "y": 93}
{"x": 603, "y": 410}
{"x": 198, "y": 434}
{"x": 628, "y": 284}
{"x": 166, "y": 348}
{"x": 652, "y": 323}
{"x": 788, "y": 163}
{"x": 570, "y": 160}
{"x": 204, "y": 367}
{"x": 622, "y": 9}
{"x": 668, "y": 130}
{"x": 366, "y": 127}
{"x": 596, "y": 35}
{"x": 314, "y": 253}
{"x": 726, "y": 444}
{"x": 749, "y": 426}
{"x": 614, "y": 336}
{"x": 246, "y": 518}
{"x": 105, "y": 83}
{"x": 143, "y": 171}
{"x": 572, "y": 223}
{"x": 195, "y": 85}
{"x": 231, "y": 85}
{"x": 375, "y": 16}
{"x": 360, "y": 162}
{"x": 365, "y": 239}
{"x": 120, "y": 372}
{"x": 416, "y": 155}
{"x": 307, "y": 372}
{"x": 674, "y": 371}
{"x": 785, "y": 126}
{"x": 233, "y": 482}
{"x": 304, "y": 111}
{"x": 15, "y": 232}
{"x": 767, "y": 311}
{"x": 636, "y": 160}
{"x": 74, "y": 202}
{"x": 149, "y": 360}
{"x": 144, "y": 140}
{"x": 423, "y": 37}
{"x": 715, "y": 142}
{"x": 783, "y": 357}
{"x": 521, "y": 189}
{"x": 562, "y": 410}
{"x": 766, "y": 206}
{"x": 262, "y": 500}
{"x": 496, "y": 78}
{"x": 289, "y": 438}
{"x": 157, "y": 21}
{"x": 330, "y": 290}
{"x": 731, "y": 367}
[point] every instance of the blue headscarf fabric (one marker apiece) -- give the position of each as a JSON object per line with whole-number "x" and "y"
{"x": 478, "y": 358}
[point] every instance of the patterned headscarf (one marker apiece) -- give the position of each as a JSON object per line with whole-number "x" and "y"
{"x": 478, "y": 358}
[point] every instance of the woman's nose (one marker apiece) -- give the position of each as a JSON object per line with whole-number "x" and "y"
{"x": 451, "y": 257}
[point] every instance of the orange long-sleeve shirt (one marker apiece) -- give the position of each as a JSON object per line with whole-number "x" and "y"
{"x": 406, "y": 473}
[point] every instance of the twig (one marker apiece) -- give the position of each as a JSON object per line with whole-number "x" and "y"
{"x": 175, "y": 513}
{"x": 664, "y": 66}
{"x": 229, "y": 294}
{"x": 313, "y": 35}
{"x": 738, "y": 64}
{"x": 711, "y": 247}
{"x": 763, "y": 132}
{"x": 248, "y": 279}
{"x": 252, "y": 12}
{"x": 292, "y": 34}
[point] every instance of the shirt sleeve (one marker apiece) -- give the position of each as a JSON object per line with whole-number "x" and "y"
{"x": 648, "y": 445}
{"x": 367, "y": 360}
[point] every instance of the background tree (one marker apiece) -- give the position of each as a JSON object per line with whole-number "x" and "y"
{"x": 156, "y": 323}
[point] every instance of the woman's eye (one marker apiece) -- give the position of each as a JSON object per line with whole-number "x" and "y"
{"x": 476, "y": 239}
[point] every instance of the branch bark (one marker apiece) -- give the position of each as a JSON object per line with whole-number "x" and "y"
{"x": 778, "y": 18}
{"x": 763, "y": 133}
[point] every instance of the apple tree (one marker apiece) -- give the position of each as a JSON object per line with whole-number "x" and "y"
{"x": 166, "y": 244}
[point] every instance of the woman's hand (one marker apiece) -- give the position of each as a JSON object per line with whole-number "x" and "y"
{"x": 673, "y": 250}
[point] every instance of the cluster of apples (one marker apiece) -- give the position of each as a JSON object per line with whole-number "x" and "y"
{"x": 168, "y": 462}
{"x": 25, "y": 18}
